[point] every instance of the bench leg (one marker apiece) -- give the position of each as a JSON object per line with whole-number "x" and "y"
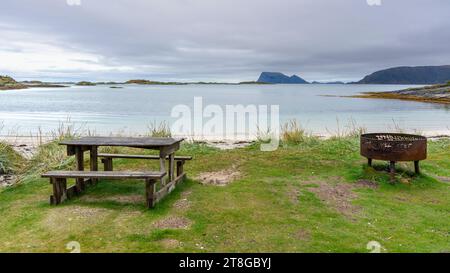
{"x": 59, "y": 190}
{"x": 162, "y": 168}
{"x": 150, "y": 192}
{"x": 171, "y": 167}
{"x": 180, "y": 165}
{"x": 369, "y": 162}
{"x": 108, "y": 164}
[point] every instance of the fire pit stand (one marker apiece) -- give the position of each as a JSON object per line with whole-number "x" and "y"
{"x": 394, "y": 148}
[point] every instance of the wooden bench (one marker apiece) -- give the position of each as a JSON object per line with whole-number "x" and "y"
{"x": 61, "y": 192}
{"x": 107, "y": 160}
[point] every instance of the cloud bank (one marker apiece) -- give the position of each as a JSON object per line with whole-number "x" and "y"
{"x": 218, "y": 40}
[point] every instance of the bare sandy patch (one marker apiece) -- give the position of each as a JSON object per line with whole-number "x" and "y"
{"x": 72, "y": 216}
{"x": 186, "y": 194}
{"x": 338, "y": 195}
{"x": 444, "y": 179}
{"x": 302, "y": 235}
{"x": 125, "y": 219}
{"x": 293, "y": 194}
{"x": 367, "y": 184}
{"x": 170, "y": 243}
{"x": 182, "y": 204}
{"x": 122, "y": 199}
{"x": 220, "y": 178}
{"x": 173, "y": 222}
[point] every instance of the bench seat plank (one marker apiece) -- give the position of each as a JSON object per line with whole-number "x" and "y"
{"x": 142, "y": 156}
{"x": 103, "y": 174}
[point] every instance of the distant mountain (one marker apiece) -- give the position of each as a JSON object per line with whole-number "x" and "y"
{"x": 277, "y": 77}
{"x": 409, "y": 75}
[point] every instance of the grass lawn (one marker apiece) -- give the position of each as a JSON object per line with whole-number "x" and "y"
{"x": 315, "y": 196}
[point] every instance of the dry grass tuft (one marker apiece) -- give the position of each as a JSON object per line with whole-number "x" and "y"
{"x": 292, "y": 132}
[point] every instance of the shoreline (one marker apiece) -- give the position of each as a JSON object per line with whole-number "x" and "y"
{"x": 439, "y": 93}
{"x": 27, "y": 145}
{"x": 392, "y": 96}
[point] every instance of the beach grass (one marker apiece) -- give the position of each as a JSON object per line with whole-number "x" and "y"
{"x": 310, "y": 195}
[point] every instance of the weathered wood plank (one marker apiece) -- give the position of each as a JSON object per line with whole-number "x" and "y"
{"x": 171, "y": 166}
{"x": 108, "y": 164}
{"x": 103, "y": 174}
{"x": 59, "y": 190}
{"x": 152, "y": 157}
{"x": 169, "y": 149}
{"x": 180, "y": 165}
{"x": 94, "y": 161}
{"x": 79, "y": 160}
{"x": 169, "y": 187}
{"x": 150, "y": 190}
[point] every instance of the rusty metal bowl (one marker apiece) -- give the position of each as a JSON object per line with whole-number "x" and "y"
{"x": 394, "y": 147}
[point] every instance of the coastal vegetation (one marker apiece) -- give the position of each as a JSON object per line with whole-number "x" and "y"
{"x": 310, "y": 195}
{"x": 254, "y": 82}
{"x": 8, "y": 83}
{"x": 439, "y": 93}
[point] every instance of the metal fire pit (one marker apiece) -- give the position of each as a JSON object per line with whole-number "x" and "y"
{"x": 393, "y": 148}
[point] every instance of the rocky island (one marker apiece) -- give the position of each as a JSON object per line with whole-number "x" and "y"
{"x": 147, "y": 82}
{"x": 85, "y": 83}
{"x": 8, "y": 83}
{"x": 277, "y": 77}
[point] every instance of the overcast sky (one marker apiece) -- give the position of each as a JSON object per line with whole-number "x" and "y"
{"x": 218, "y": 40}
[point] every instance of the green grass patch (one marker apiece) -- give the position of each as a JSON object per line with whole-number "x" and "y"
{"x": 307, "y": 196}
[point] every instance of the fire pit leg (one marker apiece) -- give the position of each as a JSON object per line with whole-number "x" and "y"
{"x": 369, "y": 162}
{"x": 416, "y": 167}
{"x": 392, "y": 169}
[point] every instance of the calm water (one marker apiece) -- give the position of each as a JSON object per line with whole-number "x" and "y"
{"x": 130, "y": 110}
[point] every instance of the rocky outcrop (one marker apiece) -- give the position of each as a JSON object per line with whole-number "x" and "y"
{"x": 8, "y": 83}
{"x": 435, "y": 93}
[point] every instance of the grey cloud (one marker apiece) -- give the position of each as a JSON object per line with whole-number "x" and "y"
{"x": 235, "y": 40}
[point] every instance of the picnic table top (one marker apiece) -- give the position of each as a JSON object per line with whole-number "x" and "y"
{"x": 141, "y": 142}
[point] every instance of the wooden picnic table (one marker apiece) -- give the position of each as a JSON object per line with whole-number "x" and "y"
{"x": 77, "y": 147}
{"x": 166, "y": 146}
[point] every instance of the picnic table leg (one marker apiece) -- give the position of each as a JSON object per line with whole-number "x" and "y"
{"x": 171, "y": 166}
{"x": 94, "y": 161}
{"x": 59, "y": 190}
{"x": 162, "y": 167}
{"x": 150, "y": 192}
{"x": 79, "y": 154}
